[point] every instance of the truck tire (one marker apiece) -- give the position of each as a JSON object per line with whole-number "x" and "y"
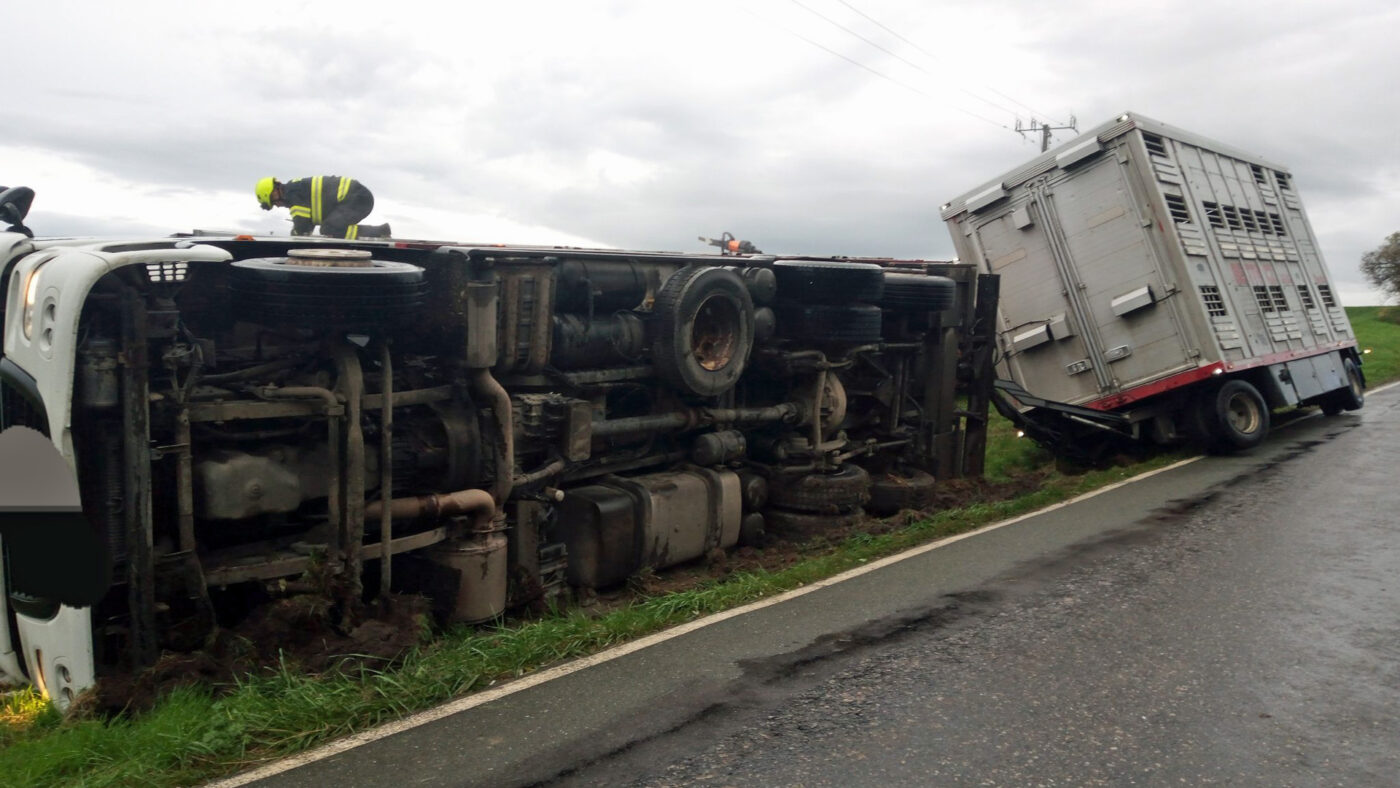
{"x": 1232, "y": 417}
{"x": 843, "y": 490}
{"x": 894, "y": 491}
{"x": 1352, "y": 397}
{"x": 828, "y": 282}
{"x": 287, "y": 291}
{"x": 702, "y": 330}
{"x": 916, "y": 293}
{"x": 849, "y": 324}
{"x": 804, "y": 525}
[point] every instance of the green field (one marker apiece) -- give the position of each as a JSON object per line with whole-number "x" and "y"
{"x": 1378, "y": 333}
{"x": 193, "y": 735}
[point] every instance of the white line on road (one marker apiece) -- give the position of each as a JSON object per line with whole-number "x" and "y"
{"x": 486, "y": 696}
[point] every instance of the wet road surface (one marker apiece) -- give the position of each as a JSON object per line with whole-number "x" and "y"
{"x": 1232, "y": 621}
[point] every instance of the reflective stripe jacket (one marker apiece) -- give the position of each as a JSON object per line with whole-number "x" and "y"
{"x": 311, "y": 199}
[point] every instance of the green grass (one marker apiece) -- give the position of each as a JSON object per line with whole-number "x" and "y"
{"x": 192, "y": 736}
{"x": 1377, "y": 329}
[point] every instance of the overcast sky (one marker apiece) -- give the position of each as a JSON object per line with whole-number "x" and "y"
{"x": 819, "y": 127}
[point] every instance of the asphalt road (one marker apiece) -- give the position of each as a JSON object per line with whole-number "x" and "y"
{"x": 1235, "y": 620}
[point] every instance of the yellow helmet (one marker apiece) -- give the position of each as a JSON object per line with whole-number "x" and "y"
{"x": 264, "y": 192}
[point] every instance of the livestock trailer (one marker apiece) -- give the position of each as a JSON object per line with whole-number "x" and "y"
{"x": 1156, "y": 284}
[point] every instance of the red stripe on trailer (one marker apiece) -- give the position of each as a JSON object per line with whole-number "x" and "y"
{"x": 1201, "y": 373}
{"x": 1156, "y": 387}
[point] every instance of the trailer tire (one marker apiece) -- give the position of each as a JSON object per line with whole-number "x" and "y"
{"x": 1352, "y": 397}
{"x": 702, "y": 330}
{"x": 844, "y": 490}
{"x": 832, "y": 282}
{"x": 1233, "y": 417}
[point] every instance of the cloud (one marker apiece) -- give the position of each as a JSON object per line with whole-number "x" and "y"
{"x": 647, "y": 124}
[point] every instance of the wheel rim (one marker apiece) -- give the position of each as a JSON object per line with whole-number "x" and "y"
{"x": 715, "y": 335}
{"x": 1354, "y": 380}
{"x": 1243, "y": 414}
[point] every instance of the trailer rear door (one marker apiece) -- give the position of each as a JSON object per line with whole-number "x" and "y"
{"x": 1078, "y": 258}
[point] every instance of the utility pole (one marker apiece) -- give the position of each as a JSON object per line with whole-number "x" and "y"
{"x": 1044, "y": 129}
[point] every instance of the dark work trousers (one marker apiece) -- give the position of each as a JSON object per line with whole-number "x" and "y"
{"x": 342, "y": 221}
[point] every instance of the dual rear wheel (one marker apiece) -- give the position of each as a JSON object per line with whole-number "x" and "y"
{"x": 1229, "y": 416}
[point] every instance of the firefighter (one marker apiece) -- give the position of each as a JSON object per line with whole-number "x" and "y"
{"x": 333, "y": 202}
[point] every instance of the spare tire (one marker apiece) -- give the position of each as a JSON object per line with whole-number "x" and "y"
{"x": 702, "y": 330}
{"x": 851, "y": 324}
{"x": 327, "y": 292}
{"x": 828, "y": 281}
{"x": 916, "y": 293}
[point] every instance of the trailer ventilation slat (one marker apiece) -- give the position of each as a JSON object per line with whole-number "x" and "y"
{"x": 1280, "y": 301}
{"x": 1191, "y": 239}
{"x": 1213, "y": 217}
{"x": 1327, "y": 300}
{"x": 1215, "y": 305}
{"x": 1259, "y": 176}
{"x": 1155, "y": 145}
{"x": 1167, "y": 172}
{"x": 1305, "y": 297}
{"x": 1261, "y": 297}
{"x": 1176, "y": 205}
{"x": 1230, "y": 217}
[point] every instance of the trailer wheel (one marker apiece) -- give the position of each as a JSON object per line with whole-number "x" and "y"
{"x": 1350, "y": 398}
{"x": 703, "y": 330}
{"x": 1233, "y": 416}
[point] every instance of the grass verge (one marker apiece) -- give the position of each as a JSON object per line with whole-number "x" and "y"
{"x": 191, "y": 735}
{"x": 1377, "y": 331}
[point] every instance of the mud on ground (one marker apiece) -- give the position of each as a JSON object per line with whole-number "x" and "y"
{"x": 299, "y": 633}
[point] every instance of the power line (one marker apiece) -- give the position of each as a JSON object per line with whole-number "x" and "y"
{"x": 934, "y": 57}
{"x": 1045, "y": 129}
{"x": 885, "y": 77}
{"x": 896, "y": 55}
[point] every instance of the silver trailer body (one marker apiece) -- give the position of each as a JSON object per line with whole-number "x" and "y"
{"x": 1138, "y": 259}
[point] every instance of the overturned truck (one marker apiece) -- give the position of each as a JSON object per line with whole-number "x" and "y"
{"x": 489, "y": 426}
